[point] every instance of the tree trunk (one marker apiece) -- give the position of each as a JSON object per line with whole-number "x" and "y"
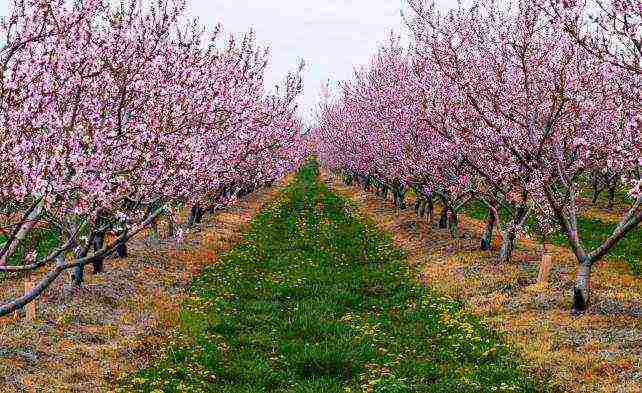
{"x": 194, "y": 216}
{"x": 611, "y": 196}
{"x": 508, "y": 243}
{"x": 487, "y": 237}
{"x": 121, "y": 248}
{"x": 402, "y": 199}
{"x": 78, "y": 277}
{"x": 443, "y": 218}
{"x": 453, "y": 225}
{"x": 581, "y": 288}
{"x": 154, "y": 229}
{"x": 31, "y": 220}
{"x": 170, "y": 226}
{"x": 430, "y": 208}
{"x": 98, "y": 263}
{"x": 596, "y": 190}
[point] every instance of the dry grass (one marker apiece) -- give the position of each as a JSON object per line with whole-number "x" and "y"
{"x": 598, "y": 352}
{"x": 601, "y": 210}
{"x": 83, "y": 339}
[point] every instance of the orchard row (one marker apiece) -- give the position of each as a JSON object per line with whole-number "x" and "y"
{"x": 112, "y": 116}
{"x": 515, "y": 106}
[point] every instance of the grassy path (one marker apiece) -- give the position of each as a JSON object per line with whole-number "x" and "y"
{"x": 316, "y": 299}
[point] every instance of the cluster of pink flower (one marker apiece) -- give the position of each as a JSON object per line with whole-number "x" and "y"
{"x": 113, "y": 115}
{"x": 505, "y": 104}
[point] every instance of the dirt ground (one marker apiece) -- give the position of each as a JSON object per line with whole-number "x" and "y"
{"x": 600, "y": 351}
{"x": 83, "y": 339}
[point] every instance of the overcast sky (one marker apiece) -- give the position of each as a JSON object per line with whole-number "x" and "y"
{"x": 332, "y": 36}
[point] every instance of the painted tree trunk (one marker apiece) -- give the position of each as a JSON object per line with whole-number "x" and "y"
{"x": 581, "y": 288}
{"x": 487, "y": 237}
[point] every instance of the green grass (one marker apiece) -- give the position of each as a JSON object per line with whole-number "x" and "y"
{"x": 621, "y": 195}
{"x": 43, "y": 240}
{"x": 316, "y": 299}
{"x": 593, "y": 232}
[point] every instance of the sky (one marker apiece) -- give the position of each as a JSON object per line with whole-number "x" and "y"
{"x": 332, "y": 36}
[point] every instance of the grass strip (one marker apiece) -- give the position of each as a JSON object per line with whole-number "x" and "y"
{"x": 316, "y": 299}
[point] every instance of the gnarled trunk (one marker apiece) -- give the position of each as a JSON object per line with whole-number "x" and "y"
{"x": 367, "y": 184}
{"x": 509, "y": 235}
{"x": 401, "y": 198}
